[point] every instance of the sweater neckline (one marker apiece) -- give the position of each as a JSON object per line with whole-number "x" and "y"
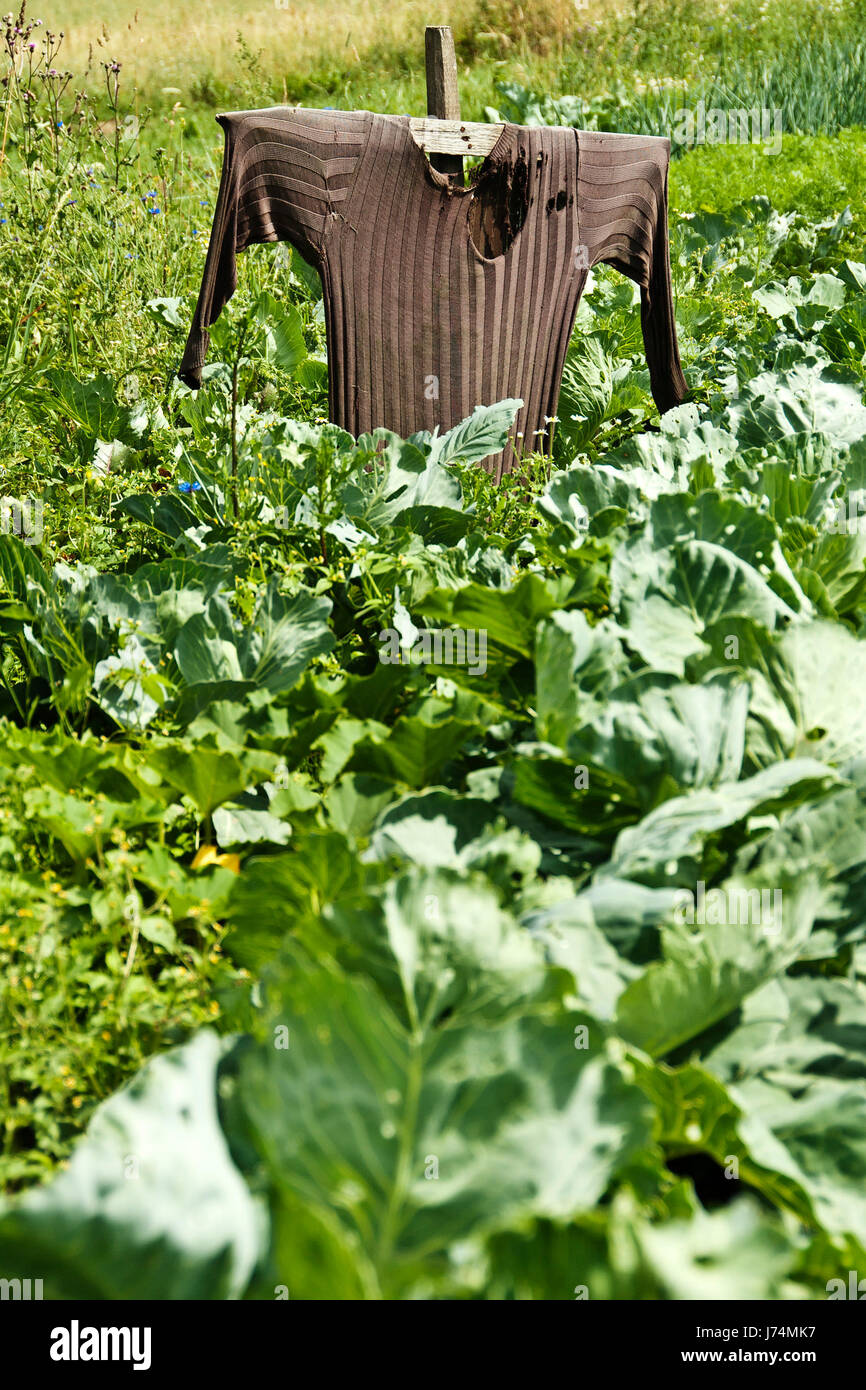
{"x": 441, "y": 181}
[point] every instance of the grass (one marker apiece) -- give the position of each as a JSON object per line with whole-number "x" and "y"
{"x": 166, "y": 43}
{"x": 320, "y": 50}
{"x": 813, "y": 174}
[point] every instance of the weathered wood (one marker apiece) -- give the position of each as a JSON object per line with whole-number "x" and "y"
{"x": 443, "y": 97}
{"x": 454, "y": 137}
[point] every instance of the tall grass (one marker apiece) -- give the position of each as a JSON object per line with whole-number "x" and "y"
{"x": 818, "y": 88}
{"x": 341, "y": 53}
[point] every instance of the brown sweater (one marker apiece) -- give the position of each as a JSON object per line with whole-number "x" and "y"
{"x": 440, "y": 298}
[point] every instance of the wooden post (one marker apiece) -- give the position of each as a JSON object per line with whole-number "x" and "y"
{"x": 443, "y": 97}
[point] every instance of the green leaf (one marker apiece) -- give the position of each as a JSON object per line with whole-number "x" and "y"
{"x": 708, "y": 972}
{"x": 282, "y": 331}
{"x": 159, "y": 930}
{"x": 830, "y": 714}
{"x": 151, "y": 1205}
{"x": 482, "y": 433}
{"x": 659, "y": 735}
{"x": 576, "y": 666}
{"x": 668, "y": 845}
{"x": 271, "y": 654}
{"x": 731, "y": 1254}
{"x": 414, "y": 750}
{"x": 208, "y": 776}
{"x": 408, "y": 1146}
{"x": 585, "y": 395}
{"x": 283, "y": 893}
{"x": 508, "y": 616}
{"x": 814, "y": 398}
{"x": 438, "y": 943}
{"x": 166, "y": 311}
{"x": 401, "y": 477}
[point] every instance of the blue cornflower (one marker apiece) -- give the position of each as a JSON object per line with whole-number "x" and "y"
{"x": 189, "y": 487}
{"x": 59, "y": 125}
{"x": 154, "y": 212}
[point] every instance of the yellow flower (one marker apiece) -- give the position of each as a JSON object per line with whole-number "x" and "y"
{"x": 209, "y": 854}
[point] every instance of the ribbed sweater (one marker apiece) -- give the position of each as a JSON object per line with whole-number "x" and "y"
{"x": 439, "y": 298}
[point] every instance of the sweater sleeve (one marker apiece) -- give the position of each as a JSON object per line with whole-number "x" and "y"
{"x": 623, "y": 191}
{"x": 285, "y": 173}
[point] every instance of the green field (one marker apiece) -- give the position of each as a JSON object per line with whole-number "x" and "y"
{"x": 380, "y": 976}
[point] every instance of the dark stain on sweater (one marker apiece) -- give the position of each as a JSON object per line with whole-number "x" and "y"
{"x": 499, "y": 206}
